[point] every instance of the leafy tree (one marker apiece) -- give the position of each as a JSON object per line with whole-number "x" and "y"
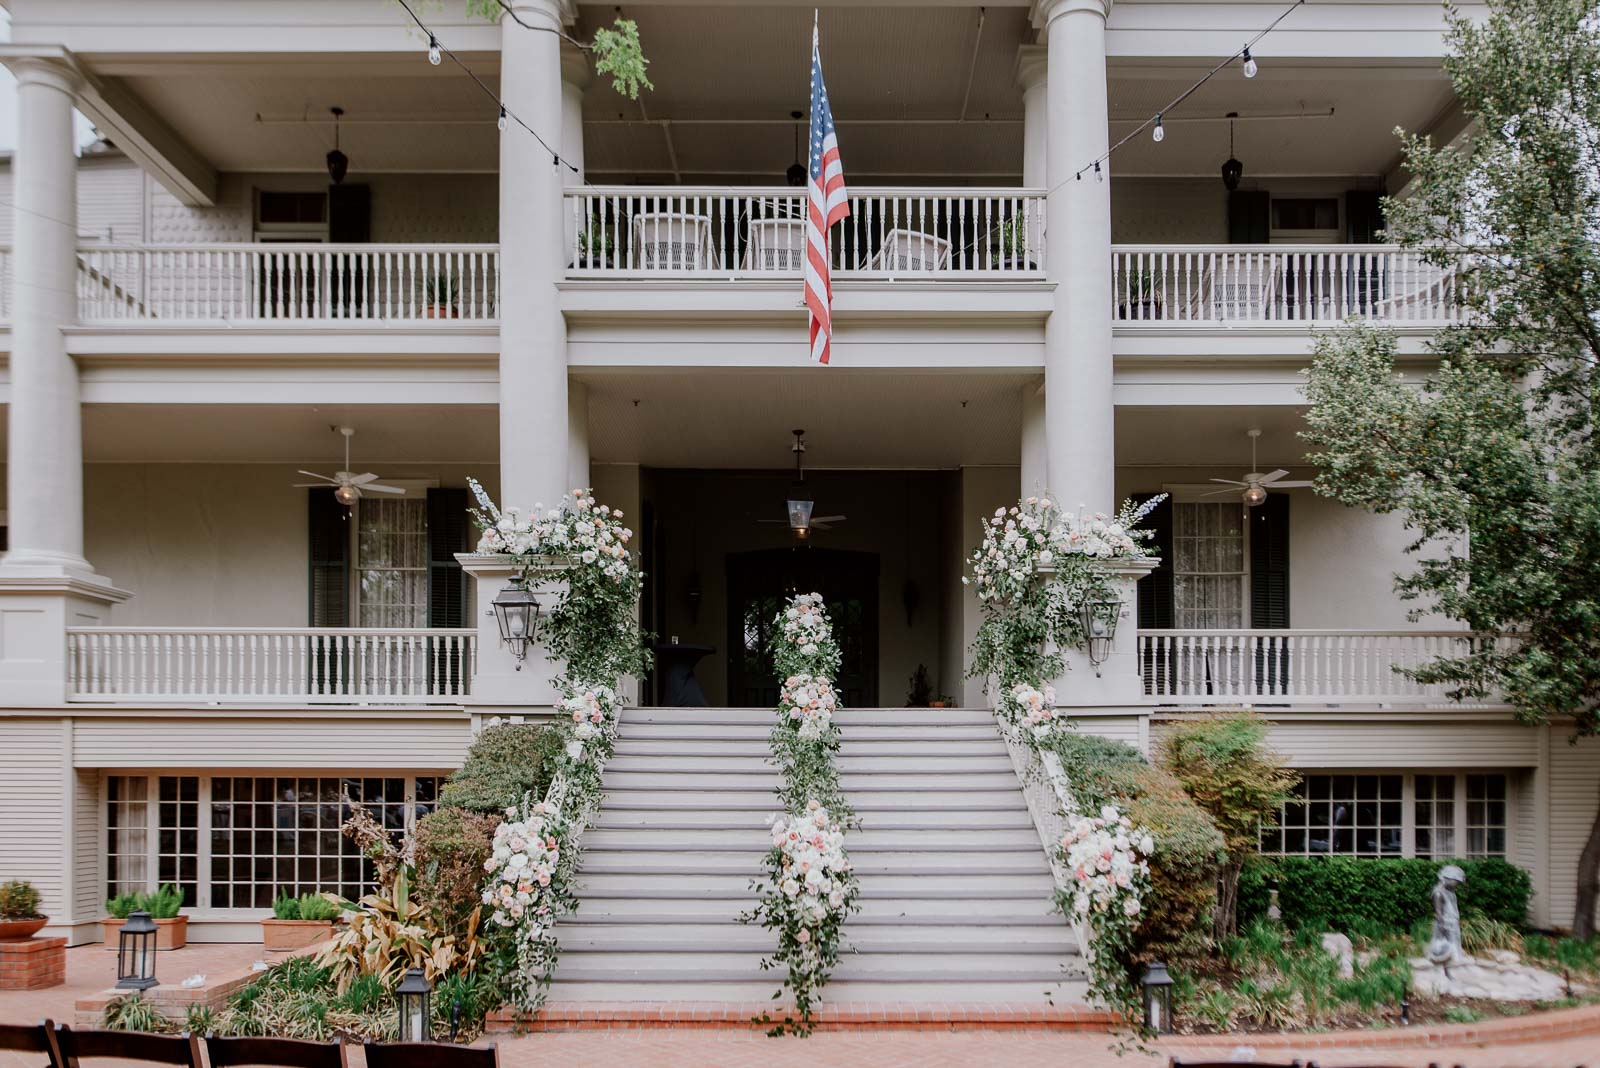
{"x": 1223, "y": 764}
{"x": 616, "y": 49}
{"x": 1497, "y": 448}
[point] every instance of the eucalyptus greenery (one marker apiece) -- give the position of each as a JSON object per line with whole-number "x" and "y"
{"x": 1499, "y": 447}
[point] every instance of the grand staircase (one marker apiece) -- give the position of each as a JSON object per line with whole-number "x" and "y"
{"x": 955, "y": 889}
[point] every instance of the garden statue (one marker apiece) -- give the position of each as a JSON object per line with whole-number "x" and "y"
{"x": 1445, "y": 945}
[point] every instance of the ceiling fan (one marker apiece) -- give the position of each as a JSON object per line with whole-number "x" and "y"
{"x": 1254, "y": 483}
{"x": 799, "y": 505}
{"x": 349, "y": 486}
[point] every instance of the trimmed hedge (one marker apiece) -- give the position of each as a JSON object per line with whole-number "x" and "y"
{"x": 1345, "y": 893}
{"x": 1189, "y": 850}
{"x": 504, "y": 763}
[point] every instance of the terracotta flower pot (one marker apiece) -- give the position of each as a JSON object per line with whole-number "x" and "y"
{"x": 21, "y": 930}
{"x": 936, "y": 704}
{"x": 279, "y": 936}
{"x": 170, "y": 934}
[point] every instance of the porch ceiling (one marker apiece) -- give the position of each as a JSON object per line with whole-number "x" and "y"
{"x": 1209, "y": 437}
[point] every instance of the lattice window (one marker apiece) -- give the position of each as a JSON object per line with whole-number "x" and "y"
{"x": 1486, "y": 816}
{"x": 1342, "y": 815}
{"x": 1435, "y": 815}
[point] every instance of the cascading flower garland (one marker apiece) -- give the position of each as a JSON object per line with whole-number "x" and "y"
{"x": 809, "y": 889}
{"x": 1036, "y": 565}
{"x": 593, "y": 632}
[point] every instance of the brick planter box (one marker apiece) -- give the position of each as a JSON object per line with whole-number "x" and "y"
{"x": 33, "y": 963}
{"x": 278, "y": 936}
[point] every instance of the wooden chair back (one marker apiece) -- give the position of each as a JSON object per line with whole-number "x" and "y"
{"x": 430, "y": 1055}
{"x": 283, "y": 1052}
{"x": 127, "y": 1045}
{"x": 25, "y": 1038}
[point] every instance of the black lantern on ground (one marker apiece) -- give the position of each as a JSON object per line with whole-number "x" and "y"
{"x": 1157, "y": 998}
{"x": 414, "y": 995}
{"x": 516, "y": 609}
{"x": 338, "y": 162}
{"x": 1099, "y": 619}
{"x": 136, "y": 953}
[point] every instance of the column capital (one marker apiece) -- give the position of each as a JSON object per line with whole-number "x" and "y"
{"x": 1032, "y": 68}
{"x": 559, "y": 13}
{"x": 46, "y": 65}
{"x": 574, "y": 67}
{"x": 1047, "y": 11}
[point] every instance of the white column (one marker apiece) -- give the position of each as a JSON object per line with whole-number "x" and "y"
{"x": 44, "y": 469}
{"x": 574, "y": 80}
{"x": 1032, "y": 76}
{"x": 1035, "y": 473}
{"x": 533, "y": 336}
{"x": 1078, "y": 401}
{"x": 578, "y": 476}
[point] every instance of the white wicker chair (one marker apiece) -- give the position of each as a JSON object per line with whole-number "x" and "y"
{"x": 673, "y": 241}
{"x": 776, "y": 245}
{"x": 912, "y": 250}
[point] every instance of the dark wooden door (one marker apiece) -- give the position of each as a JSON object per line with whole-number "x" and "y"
{"x": 760, "y": 582}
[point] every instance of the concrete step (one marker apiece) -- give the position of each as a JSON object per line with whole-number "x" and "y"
{"x": 847, "y": 763}
{"x": 758, "y": 749}
{"x": 974, "y": 889}
{"x": 765, "y": 780}
{"x": 867, "y": 840}
{"x": 753, "y": 799}
{"x": 724, "y": 967}
{"x": 935, "y": 717}
{"x": 851, "y": 732}
{"x": 1060, "y": 991}
{"x": 718, "y": 937}
{"x": 615, "y": 817}
{"x": 930, "y": 912}
{"x": 868, "y": 864}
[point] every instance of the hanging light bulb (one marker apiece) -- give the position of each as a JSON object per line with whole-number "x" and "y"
{"x": 1250, "y": 67}
{"x": 1099, "y": 175}
{"x": 1159, "y": 134}
{"x": 502, "y": 120}
{"x": 435, "y": 53}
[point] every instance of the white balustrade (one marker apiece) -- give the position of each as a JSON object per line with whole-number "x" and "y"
{"x": 273, "y": 282}
{"x": 634, "y": 231}
{"x": 1292, "y": 666}
{"x": 297, "y": 665}
{"x": 1280, "y": 283}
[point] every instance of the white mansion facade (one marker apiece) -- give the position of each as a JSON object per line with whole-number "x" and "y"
{"x": 199, "y": 656}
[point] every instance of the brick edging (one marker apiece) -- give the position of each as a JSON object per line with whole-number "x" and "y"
{"x": 1507, "y": 1030}
{"x": 840, "y": 1016}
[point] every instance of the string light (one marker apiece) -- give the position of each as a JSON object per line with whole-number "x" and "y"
{"x": 1098, "y": 176}
{"x": 1250, "y": 67}
{"x": 1159, "y": 134}
{"x": 501, "y": 122}
{"x": 434, "y": 54}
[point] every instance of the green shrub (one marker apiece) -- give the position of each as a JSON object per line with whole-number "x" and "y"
{"x": 1188, "y": 853}
{"x": 124, "y": 904}
{"x": 1352, "y": 894}
{"x": 164, "y": 904}
{"x": 132, "y": 1012}
{"x": 451, "y": 846}
{"x": 503, "y": 764}
{"x": 304, "y": 907}
{"x": 285, "y": 906}
{"x": 19, "y": 901}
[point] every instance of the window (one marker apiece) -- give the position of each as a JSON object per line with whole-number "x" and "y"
{"x": 1363, "y": 815}
{"x": 1208, "y": 566}
{"x": 1345, "y": 815}
{"x": 287, "y": 216}
{"x": 264, "y": 834}
{"x": 1436, "y": 815}
{"x": 1486, "y": 816}
{"x": 1305, "y": 213}
{"x": 392, "y": 562}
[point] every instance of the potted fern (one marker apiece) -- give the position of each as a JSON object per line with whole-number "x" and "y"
{"x": 441, "y": 295}
{"x": 595, "y": 245}
{"x": 298, "y": 922}
{"x": 1138, "y": 300}
{"x": 20, "y": 917}
{"x": 164, "y": 905}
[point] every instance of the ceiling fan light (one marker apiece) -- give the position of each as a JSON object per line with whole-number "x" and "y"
{"x": 1254, "y": 495}
{"x": 346, "y": 495}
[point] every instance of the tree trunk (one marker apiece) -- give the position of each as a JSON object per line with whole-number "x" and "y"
{"x": 1226, "y": 918}
{"x": 1588, "y": 882}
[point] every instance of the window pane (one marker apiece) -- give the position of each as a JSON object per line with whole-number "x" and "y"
{"x": 1325, "y": 817}
{"x": 1487, "y": 815}
{"x": 127, "y": 834}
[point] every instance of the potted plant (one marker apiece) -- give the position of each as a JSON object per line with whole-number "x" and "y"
{"x": 1137, "y": 300}
{"x": 944, "y": 700}
{"x": 20, "y": 917}
{"x": 1014, "y": 251}
{"x": 172, "y": 928}
{"x": 298, "y": 922}
{"x": 595, "y": 245}
{"x": 920, "y": 695}
{"x": 440, "y": 297}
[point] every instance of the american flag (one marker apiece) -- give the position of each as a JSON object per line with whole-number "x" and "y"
{"x": 828, "y": 203}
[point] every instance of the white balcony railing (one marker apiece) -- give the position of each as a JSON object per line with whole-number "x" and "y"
{"x": 295, "y": 665}
{"x": 1282, "y": 667}
{"x": 1278, "y": 283}
{"x": 271, "y": 282}
{"x": 634, "y": 231}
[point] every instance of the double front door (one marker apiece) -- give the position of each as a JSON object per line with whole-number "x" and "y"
{"x": 759, "y": 585}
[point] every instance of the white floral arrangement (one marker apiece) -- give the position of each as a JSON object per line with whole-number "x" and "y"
{"x": 523, "y": 891}
{"x": 589, "y": 722}
{"x": 1035, "y": 533}
{"x": 804, "y": 642}
{"x": 1026, "y": 708}
{"x": 1107, "y": 859}
{"x": 580, "y": 529}
{"x": 809, "y": 703}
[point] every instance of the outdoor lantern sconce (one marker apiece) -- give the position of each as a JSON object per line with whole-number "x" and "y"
{"x": 1157, "y": 998}
{"x": 136, "y": 953}
{"x": 516, "y": 609}
{"x": 1099, "y": 619}
{"x": 414, "y": 995}
{"x": 800, "y": 506}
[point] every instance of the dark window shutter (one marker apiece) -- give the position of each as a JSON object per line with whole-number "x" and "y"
{"x": 329, "y": 555}
{"x": 1155, "y": 592}
{"x": 1363, "y": 216}
{"x": 1249, "y": 217}
{"x": 349, "y": 214}
{"x": 448, "y": 534}
{"x": 1269, "y": 588}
